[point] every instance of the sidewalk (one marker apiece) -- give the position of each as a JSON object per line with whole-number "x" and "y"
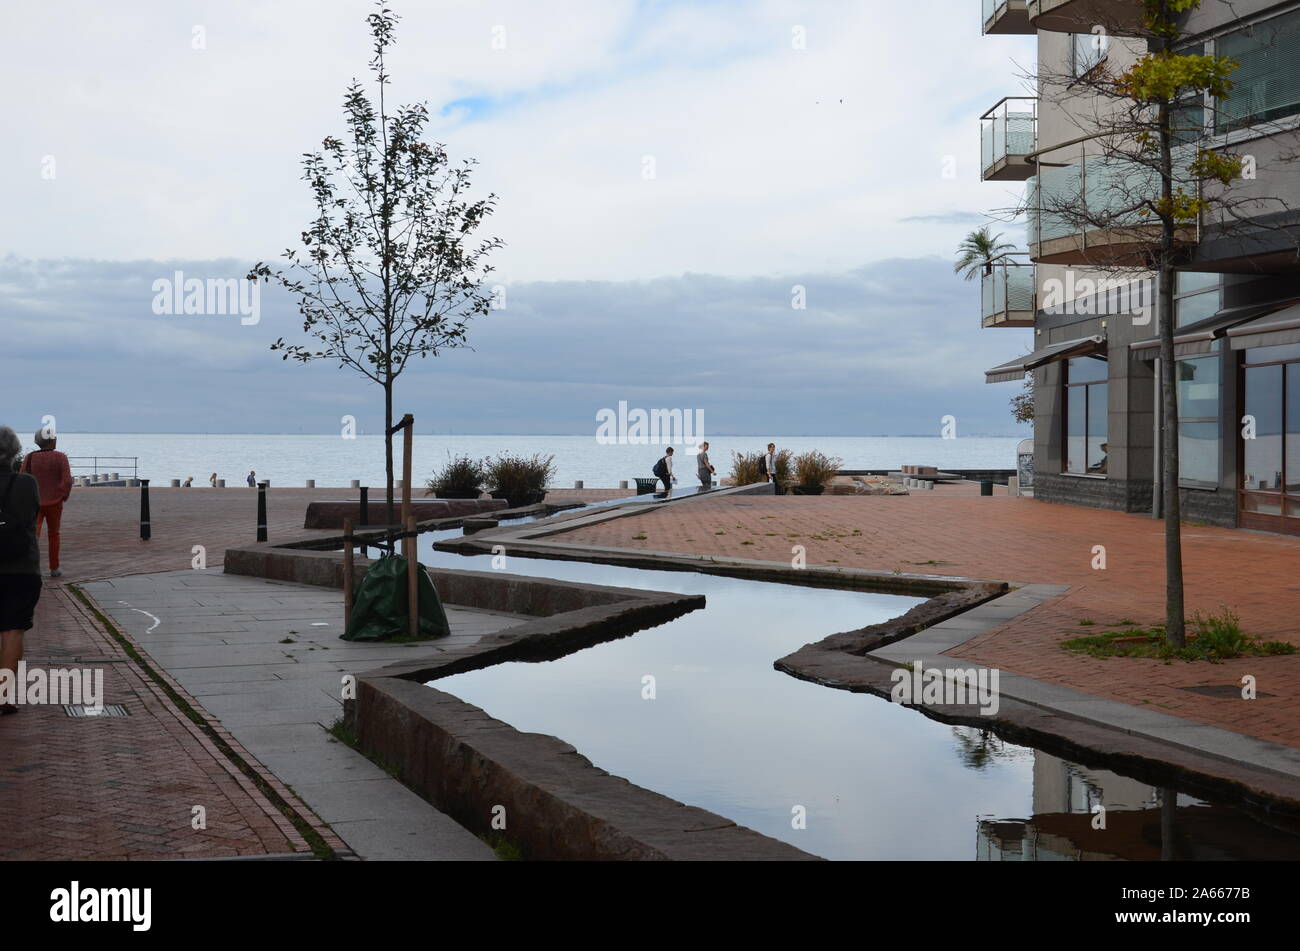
{"x": 126, "y": 788}
{"x": 953, "y": 531}
{"x": 122, "y": 788}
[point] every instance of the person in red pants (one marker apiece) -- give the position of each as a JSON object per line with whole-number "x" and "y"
{"x": 54, "y": 476}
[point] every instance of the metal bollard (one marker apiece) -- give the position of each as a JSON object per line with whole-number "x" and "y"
{"x": 146, "y": 529}
{"x": 261, "y": 511}
{"x": 365, "y": 506}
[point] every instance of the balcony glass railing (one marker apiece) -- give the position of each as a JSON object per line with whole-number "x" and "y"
{"x": 1008, "y": 288}
{"x": 1095, "y": 193}
{"x": 1009, "y": 128}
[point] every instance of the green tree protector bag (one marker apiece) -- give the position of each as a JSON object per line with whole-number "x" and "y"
{"x": 379, "y": 611}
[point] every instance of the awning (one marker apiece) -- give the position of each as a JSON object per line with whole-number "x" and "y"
{"x": 1197, "y": 339}
{"x": 1278, "y": 329}
{"x": 1066, "y": 350}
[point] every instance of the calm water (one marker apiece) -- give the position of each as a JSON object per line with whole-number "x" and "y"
{"x": 334, "y": 461}
{"x": 729, "y": 733}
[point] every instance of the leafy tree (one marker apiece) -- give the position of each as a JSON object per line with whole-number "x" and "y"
{"x": 978, "y": 252}
{"x": 390, "y": 270}
{"x": 1022, "y": 404}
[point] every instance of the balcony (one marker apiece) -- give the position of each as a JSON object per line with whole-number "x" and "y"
{"x": 1007, "y": 17}
{"x": 1007, "y": 292}
{"x": 1116, "y": 17}
{"x": 1088, "y": 212}
{"x": 1009, "y": 132}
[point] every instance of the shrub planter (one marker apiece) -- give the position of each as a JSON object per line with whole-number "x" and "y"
{"x": 520, "y": 501}
{"x": 807, "y": 489}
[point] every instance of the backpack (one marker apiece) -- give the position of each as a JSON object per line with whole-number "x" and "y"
{"x": 14, "y": 538}
{"x": 762, "y": 465}
{"x": 661, "y": 469}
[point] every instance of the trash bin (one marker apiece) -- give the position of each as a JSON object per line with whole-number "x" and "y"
{"x": 986, "y": 487}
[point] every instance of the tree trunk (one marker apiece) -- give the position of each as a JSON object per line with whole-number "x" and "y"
{"x": 388, "y": 448}
{"x": 1174, "y": 608}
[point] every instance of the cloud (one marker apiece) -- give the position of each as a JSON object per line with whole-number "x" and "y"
{"x": 164, "y": 150}
{"x": 948, "y": 218}
{"x": 888, "y": 347}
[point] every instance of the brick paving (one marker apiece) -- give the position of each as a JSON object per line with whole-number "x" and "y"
{"x": 952, "y": 531}
{"x": 125, "y": 788}
{"x": 120, "y": 788}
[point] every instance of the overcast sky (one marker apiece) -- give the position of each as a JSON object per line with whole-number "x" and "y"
{"x": 148, "y": 137}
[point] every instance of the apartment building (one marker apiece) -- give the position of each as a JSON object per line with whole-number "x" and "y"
{"x": 1095, "y": 351}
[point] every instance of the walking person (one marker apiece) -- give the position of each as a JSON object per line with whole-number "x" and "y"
{"x": 212, "y": 480}
{"x": 20, "y": 558}
{"x": 703, "y": 468}
{"x": 767, "y": 465}
{"x": 189, "y": 481}
{"x": 252, "y": 480}
{"x": 54, "y": 476}
{"x": 663, "y": 471}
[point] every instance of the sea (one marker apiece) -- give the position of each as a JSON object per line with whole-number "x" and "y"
{"x": 333, "y": 460}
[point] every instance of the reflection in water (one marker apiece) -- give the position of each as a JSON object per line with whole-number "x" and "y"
{"x": 1087, "y": 815}
{"x": 980, "y": 749}
{"x": 727, "y": 732}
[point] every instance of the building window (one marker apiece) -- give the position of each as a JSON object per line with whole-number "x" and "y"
{"x": 1271, "y": 481}
{"x": 1087, "y": 398}
{"x": 1267, "y": 84}
{"x": 1087, "y": 52}
{"x": 1198, "y": 419}
{"x": 1196, "y": 297}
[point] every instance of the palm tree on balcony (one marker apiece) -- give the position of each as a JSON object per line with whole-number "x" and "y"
{"x": 979, "y": 251}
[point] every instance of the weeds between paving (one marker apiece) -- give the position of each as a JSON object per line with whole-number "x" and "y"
{"x": 1213, "y": 638}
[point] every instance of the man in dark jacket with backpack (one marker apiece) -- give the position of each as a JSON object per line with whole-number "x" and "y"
{"x": 663, "y": 471}
{"x": 767, "y": 466}
{"x": 20, "y": 558}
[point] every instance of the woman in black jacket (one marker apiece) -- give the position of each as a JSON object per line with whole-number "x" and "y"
{"x": 20, "y": 564}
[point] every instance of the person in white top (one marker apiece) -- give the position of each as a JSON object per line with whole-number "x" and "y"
{"x": 664, "y": 471}
{"x": 769, "y": 468}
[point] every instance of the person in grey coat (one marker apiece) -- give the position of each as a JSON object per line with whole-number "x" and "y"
{"x": 703, "y": 468}
{"x": 20, "y": 557}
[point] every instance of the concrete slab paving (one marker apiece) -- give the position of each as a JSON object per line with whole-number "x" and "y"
{"x": 277, "y": 699}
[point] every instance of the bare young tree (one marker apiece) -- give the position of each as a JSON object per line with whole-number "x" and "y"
{"x": 390, "y": 270}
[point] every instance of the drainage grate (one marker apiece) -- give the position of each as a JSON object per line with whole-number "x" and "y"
{"x": 80, "y": 710}
{"x": 1222, "y": 691}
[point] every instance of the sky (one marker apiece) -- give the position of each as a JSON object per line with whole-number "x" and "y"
{"x": 825, "y": 151}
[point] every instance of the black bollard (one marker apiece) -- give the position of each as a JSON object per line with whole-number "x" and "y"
{"x": 365, "y": 506}
{"x": 146, "y": 530}
{"x": 261, "y": 511}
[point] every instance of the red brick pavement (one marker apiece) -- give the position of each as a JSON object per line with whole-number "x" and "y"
{"x": 124, "y": 788}
{"x": 952, "y": 532}
{"x": 119, "y": 788}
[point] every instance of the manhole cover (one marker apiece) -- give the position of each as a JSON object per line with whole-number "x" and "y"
{"x": 1223, "y": 691}
{"x": 80, "y": 710}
